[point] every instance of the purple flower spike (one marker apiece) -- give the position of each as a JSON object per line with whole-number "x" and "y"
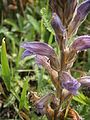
{"x": 70, "y": 83}
{"x": 85, "y": 81}
{"x": 81, "y": 43}
{"x": 82, "y": 12}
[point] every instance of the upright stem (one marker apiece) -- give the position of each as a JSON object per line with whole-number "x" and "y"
{"x": 62, "y": 48}
{"x": 59, "y": 92}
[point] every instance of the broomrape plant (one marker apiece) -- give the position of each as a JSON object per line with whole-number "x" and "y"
{"x": 67, "y": 16}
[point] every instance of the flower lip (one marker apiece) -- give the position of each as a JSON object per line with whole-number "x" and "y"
{"x": 26, "y": 53}
{"x": 70, "y": 83}
{"x": 71, "y": 86}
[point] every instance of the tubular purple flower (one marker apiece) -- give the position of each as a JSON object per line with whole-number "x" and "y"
{"x": 81, "y": 43}
{"x": 69, "y": 83}
{"x": 82, "y": 12}
{"x": 85, "y": 81}
{"x": 39, "y": 48}
{"x": 43, "y": 49}
{"x": 42, "y": 103}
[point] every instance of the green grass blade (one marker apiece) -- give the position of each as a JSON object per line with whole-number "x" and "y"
{"x": 82, "y": 99}
{"x": 5, "y": 66}
{"x": 34, "y": 23}
{"x": 23, "y": 95}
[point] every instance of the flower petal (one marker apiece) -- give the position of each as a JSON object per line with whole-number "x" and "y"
{"x": 43, "y": 102}
{"x": 81, "y": 43}
{"x": 85, "y": 81}
{"x": 69, "y": 83}
{"x": 26, "y": 53}
{"x": 42, "y": 60}
{"x": 82, "y": 12}
{"x": 58, "y": 27}
{"x": 57, "y": 24}
{"x": 39, "y": 48}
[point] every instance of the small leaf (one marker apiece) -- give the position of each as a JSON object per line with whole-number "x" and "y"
{"x": 46, "y": 20}
{"x": 23, "y": 95}
{"x": 5, "y": 66}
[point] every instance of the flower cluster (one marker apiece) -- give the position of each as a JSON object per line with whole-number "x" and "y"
{"x": 66, "y": 18}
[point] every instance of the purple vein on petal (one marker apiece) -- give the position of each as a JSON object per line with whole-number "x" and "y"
{"x": 39, "y": 48}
